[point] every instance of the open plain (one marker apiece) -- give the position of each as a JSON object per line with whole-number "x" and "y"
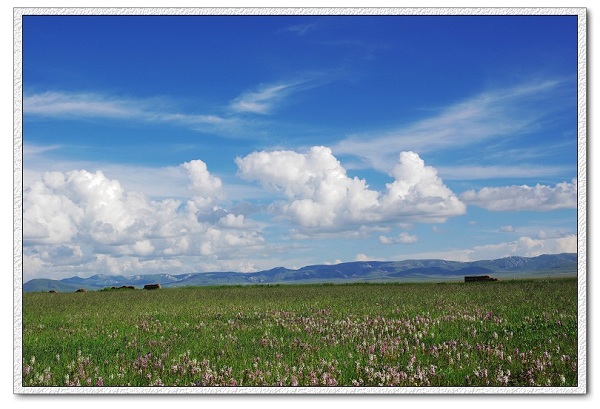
{"x": 505, "y": 333}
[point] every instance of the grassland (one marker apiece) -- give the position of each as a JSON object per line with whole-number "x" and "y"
{"x": 506, "y": 333}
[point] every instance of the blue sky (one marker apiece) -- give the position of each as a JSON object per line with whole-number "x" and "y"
{"x": 185, "y": 144}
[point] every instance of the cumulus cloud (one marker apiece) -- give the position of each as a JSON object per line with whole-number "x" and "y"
{"x": 59, "y": 206}
{"x": 318, "y": 190}
{"x": 203, "y": 183}
{"x": 74, "y": 217}
{"x": 320, "y": 195}
{"x": 517, "y": 198}
{"x": 418, "y": 189}
{"x": 364, "y": 257}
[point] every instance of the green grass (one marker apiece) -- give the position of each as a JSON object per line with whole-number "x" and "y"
{"x": 507, "y": 333}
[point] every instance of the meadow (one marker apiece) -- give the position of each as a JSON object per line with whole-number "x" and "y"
{"x": 505, "y": 333}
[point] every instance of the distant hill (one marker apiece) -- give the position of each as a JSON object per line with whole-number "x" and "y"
{"x": 359, "y": 271}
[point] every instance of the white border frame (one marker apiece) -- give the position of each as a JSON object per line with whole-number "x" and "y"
{"x": 581, "y": 14}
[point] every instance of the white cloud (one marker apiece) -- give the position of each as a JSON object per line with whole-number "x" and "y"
{"x": 143, "y": 248}
{"x": 82, "y": 221}
{"x": 500, "y": 171}
{"x": 320, "y": 195}
{"x": 402, "y": 238}
{"x": 518, "y": 198}
{"x": 418, "y": 190}
{"x": 364, "y": 257}
{"x": 155, "y": 182}
{"x": 262, "y": 101}
{"x": 231, "y": 220}
{"x": 524, "y": 246}
{"x": 302, "y": 29}
{"x": 360, "y": 232}
{"x": 79, "y": 104}
{"x": 95, "y": 105}
{"x": 508, "y": 111}
{"x": 507, "y": 229}
{"x": 318, "y": 190}
{"x": 203, "y": 183}
{"x": 550, "y": 234}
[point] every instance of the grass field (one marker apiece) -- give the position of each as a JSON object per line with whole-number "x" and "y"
{"x": 506, "y": 333}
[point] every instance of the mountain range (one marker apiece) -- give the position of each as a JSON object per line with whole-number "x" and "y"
{"x": 547, "y": 265}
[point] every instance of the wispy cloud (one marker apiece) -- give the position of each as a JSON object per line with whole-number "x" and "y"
{"x": 499, "y": 113}
{"x": 266, "y": 98}
{"x": 524, "y": 246}
{"x": 59, "y": 104}
{"x": 94, "y": 105}
{"x": 302, "y": 29}
{"x": 32, "y": 150}
{"x": 228, "y": 120}
{"x": 501, "y": 171}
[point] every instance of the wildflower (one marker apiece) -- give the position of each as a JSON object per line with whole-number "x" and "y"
{"x": 411, "y": 361}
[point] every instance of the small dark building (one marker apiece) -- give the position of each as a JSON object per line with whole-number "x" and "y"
{"x": 151, "y": 286}
{"x": 470, "y": 279}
